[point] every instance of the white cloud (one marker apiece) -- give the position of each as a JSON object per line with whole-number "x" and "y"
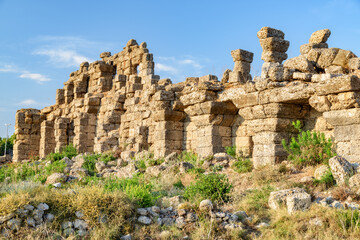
{"x": 191, "y": 62}
{"x": 28, "y": 102}
{"x": 63, "y": 57}
{"x": 8, "y": 68}
{"x": 177, "y": 68}
{"x": 35, "y": 76}
{"x": 67, "y": 51}
{"x": 165, "y": 68}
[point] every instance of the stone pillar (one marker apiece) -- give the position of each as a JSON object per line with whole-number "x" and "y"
{"x": 168, "y": 133}
{"x": 27, "y": 130}
{"x": 242, "y": 66}
{"x": 274, "y": 52}
{"x": 61, "y": 133}
{"x": 346, "y": 125}
{"x": 47, "y": 141}
{"x": 267, "y": 125}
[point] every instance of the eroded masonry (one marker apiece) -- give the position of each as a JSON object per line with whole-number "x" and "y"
{"x": 118, "y": 102}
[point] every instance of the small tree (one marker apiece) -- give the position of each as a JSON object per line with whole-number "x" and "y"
{"x": 309, "y": 148}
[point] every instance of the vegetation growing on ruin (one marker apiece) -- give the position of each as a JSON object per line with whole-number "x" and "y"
{"x": 308, "y": 148}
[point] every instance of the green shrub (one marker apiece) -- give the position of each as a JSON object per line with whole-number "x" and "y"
{"x": 155, "y": 162}
{"x": 141, "y": 164}
{"x": 6, "y": 171}
{"x": 107, "y": 157}
{"x": 327, "y": 179}
{"x": 231, "y": 151}
{"x": 309, "y": 148}
{"x": 196, "y": 171}
{"x": 179, "y": 185}
{"x": 135, "y": 188}
{"x": 188, "y": 157}
{"x": 212, "y": 186}
{"x": 90, "y": 162}
{"x": 68, "y": 151}
{"x": 242, "y": 165}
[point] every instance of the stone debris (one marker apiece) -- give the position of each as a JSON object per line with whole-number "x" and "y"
{"x": 278, "y": 198}
{"x": 341, "y": 169}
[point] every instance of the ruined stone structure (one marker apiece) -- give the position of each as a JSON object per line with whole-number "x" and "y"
{"x": 119, "y": 103}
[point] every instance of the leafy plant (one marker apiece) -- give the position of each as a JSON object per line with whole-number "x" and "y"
{"x": 188, "y": 157}
{"x": 107, "y": 157}
{"x": 211, "y": 186}
{"x": 243, "y": 165}
{"x": 309, "y": 148}
{"x": 90, "y": 162}
{"x": 231, "y": 151}
{"x": 68, "y": 151}
{"x": 327, "y": 179}
{"x": 135, "y": 188}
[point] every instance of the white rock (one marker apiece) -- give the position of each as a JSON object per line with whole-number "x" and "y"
{"x": 43, "y": 206}
{"x": 144, "y": 220}
{"x": 80, "y": 224}
{"x": 49, "y": 217}
{"x": 126, "y": 237}
{"x": 30, "y": 222}
{"x": 206, "y": 205}
{"x": 298, "y": 201}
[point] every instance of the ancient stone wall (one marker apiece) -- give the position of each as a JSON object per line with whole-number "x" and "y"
{"x": 119, "y": 103}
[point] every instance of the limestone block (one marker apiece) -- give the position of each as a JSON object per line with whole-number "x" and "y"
{"x": 278, "y": 198}
{"x": 243, "y": 67}
{"x": 302, "y": 76}
{"x": 278, "y": 74}
{"x": 327, "y": 57}
{"x": 354, "y": 63}
{"x": 320, "y": 103}
{"x": 320, "y": 36}
{"x": 344, "y": 100}
{"x": 341, "y": 169}
{"x": 313, "y": 55}
{"x": 269, "y": 56}
{"x": 225, "y": 77}
{"x": 163, "y": 95}
{"x": 208, "y": 78}
{"x": 305, "y": 48}
{"x": 242, "y": 77}
{"x": 298, "y": 202}
{"x": 335, "y": 70}
{"x": 166, "y": 115}
{"x": 300, "y": 63}
{"x": 242, "y": 55}
{"x": 274, "y": 44}
{"x": 267, "y": 32}
{"x": 342, "y": 58}
{"x": 339, "y": 84}
{"x": 197, "y": 97}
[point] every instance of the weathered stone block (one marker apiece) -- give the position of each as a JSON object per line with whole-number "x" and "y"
{"x": 266, "y": 32}
{"x": 274, "y": 44}
{"x": 320, "y": 36}
{"x": 242, "y": 55}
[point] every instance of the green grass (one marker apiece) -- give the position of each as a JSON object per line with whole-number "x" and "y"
{"x": 242, "y": 165}
{"x": 211, "y": 186}
{"x": 135, "y": 188}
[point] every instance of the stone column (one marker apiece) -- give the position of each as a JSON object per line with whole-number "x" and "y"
{"x": 346, "y": 125}
{"x": 27, "y": 130}
{"x": 61, "y": 133}
{"x": 242, "y": 66}
{"x": 47, "y": 141}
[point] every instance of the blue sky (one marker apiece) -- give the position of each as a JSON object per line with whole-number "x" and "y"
{"x": 42, "y": 42}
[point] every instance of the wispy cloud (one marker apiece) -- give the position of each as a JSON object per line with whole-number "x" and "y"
{"x": 28, "y": 102}
{"x": 35, "y": 76}
{"x": 63, "y": 57}
{"x": 67, "y": 51}
{"x": 179, "y": 67}
{"x": 165, "y": 68}
{"x": 10, "y": 68}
